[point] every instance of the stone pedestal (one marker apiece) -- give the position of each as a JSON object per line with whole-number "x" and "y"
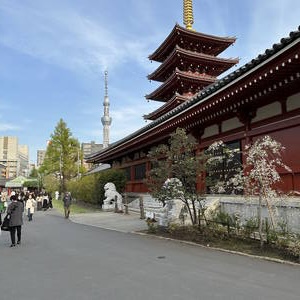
{"x": 108, "y": 207}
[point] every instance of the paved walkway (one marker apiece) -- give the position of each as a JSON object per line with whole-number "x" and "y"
{"x": 133, "y": 223}
{"x": 111, "y": 220}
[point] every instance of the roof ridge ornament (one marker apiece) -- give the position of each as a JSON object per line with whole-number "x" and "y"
{"x": 188, "y": 17}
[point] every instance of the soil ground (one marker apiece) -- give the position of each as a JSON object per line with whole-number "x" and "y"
{"x": 211, "y": 238}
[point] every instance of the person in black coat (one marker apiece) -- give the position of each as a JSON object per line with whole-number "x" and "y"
{"x": 67, "y": 204}
{"x": 15, "y": 210}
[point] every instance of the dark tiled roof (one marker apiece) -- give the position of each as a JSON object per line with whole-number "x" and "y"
{"x": 284, "y": 42}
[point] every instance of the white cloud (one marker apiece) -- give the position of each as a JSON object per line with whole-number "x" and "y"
{"x": 68, "y": 39}
{"x": 8, "y": 126}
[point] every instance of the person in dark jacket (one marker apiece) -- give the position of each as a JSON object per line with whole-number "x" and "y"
{"x": 67, "y": 203}
{"x": 15, "y": 210}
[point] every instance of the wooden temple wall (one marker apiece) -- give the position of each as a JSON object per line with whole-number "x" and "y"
{"x": 282, "y": 123}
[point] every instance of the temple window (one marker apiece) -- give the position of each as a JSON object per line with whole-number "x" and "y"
{"x": 140, "y": 172}
{"x": 128, "y": 173}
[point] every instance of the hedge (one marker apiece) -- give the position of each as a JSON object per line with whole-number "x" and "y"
{"x": 90, "y": 188}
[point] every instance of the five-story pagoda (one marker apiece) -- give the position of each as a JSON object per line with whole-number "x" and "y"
{"x": 189, "y": 63}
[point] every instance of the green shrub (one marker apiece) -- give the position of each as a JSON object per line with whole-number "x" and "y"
{"x": 84, "y": 189}
{"x": 90, "y": 188}
{"x": 250, "y": 226}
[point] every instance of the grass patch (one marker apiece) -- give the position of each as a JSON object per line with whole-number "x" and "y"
{"x": 76, "y": 207}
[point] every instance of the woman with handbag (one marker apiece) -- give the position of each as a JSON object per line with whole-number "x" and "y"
{"x": 29, "y": 206}
{"x": 15, "y": 211}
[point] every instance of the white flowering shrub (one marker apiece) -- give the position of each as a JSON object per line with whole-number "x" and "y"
{"x": 257, "y": 176}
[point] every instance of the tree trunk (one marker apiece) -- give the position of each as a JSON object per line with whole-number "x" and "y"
{"x": 260, "y": 219}
{"x": 189, "y": 210}
{"x": 195, "y": 213}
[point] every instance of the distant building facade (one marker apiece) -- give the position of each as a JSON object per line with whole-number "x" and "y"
{"x": 40, "y": 157}
{"x": 2, "y": 171}
{"x": 23, "y": 155}
{"x": 89, "y": 148}
{"x": 14, "y": 157}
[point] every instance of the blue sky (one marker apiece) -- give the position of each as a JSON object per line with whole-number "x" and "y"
{"x": 53, "y": 54}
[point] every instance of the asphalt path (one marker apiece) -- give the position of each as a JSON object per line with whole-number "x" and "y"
{"x": 62, "y": 260}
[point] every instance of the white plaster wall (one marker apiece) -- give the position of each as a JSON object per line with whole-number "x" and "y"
{"x": 231, "y": 124}
{"x": 287, "y": 210}
{"x": 267, "y": 111}
{"x": 210, "y": 131}
{"x": 293, "y": 102}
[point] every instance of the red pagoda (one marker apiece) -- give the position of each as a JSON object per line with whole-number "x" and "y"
{"x": 189, "y": 63}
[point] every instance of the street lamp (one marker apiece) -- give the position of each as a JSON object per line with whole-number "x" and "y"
{"x": 60, "y": 170}
{"x": 78, "y": 163}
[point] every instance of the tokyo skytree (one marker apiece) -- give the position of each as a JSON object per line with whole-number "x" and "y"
{"x": 106, "y": 119}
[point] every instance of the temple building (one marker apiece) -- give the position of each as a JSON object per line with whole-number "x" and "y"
{"x": 260, "y": 98}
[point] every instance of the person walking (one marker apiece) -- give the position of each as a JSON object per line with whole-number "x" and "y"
{"x": 67, "y": 203}
{"x": 45, "y": 201}
{"x": 50, "y": 205}
{"x": 30, "y": 204}
{"x": 3, "y": 202}
{"x": 15, "y": 211}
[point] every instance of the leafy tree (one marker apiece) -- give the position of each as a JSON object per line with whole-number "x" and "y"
{"x": 179, "y": 159}
{"x": 62, "y": 156}
{"x": 50, "y": 183}
{"x": 36, "y": 173}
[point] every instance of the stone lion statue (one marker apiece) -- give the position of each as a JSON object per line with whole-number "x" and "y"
{"x": 173, "y": 206}
{"x": 111, "y": 196}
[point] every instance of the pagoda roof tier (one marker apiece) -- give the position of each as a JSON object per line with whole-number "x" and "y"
{"x": 171, "y": 104}
{"x": 213, "y": 66}
{"x": 199, "y": 42}
{"x": 180, "y": 82}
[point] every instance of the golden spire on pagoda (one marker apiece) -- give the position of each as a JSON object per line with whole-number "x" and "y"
{"x": 188, "y": 18}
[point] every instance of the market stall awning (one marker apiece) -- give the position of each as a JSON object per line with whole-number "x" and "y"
{"x": 16, "y": 183}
